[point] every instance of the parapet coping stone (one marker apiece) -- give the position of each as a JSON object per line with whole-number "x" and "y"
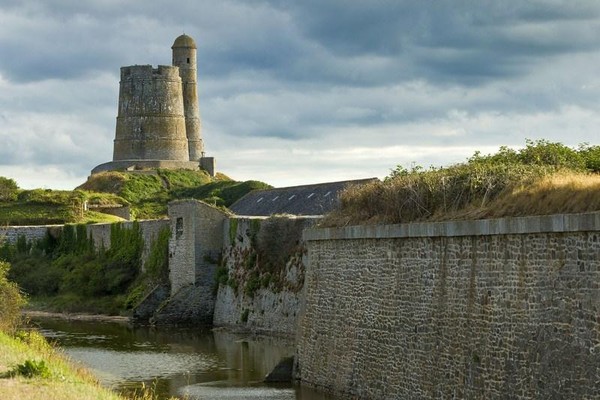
{"x": 585, "y": 222}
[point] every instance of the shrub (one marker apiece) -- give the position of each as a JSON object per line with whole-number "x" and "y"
{"x": 11, "y": 301}
{"x": 221, "y": 276}
{"x": 470, "y": 189}
{"x": 8, "y": 189}
{"x": 252, "y": 284}
{"x": 31, "y": 369}
{"x": 244, "y": 316}
{"x": 591, "y": 156}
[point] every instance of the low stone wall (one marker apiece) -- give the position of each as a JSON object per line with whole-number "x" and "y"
{"x": 490, "y": 309}
{"x": 273, "y": 306}
{"x": 31, "y": 233}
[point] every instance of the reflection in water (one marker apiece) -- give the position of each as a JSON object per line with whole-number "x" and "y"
{"x": 200, "y": 364}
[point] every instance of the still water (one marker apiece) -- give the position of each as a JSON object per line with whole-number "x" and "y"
{"x": 199, "y": 364}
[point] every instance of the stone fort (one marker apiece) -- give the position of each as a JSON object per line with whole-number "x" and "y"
{"x": 158, "y": 120}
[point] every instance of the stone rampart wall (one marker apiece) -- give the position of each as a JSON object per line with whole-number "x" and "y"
{"x": 491, "y": 309}
{"x": 274, "y": 305}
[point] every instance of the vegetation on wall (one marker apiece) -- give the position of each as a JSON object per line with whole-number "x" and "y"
{"x": 157, "y": 264}
{"x": 275, "y": 246}
{"x": 542, "y": 178}
{"x": 69, "y": 274}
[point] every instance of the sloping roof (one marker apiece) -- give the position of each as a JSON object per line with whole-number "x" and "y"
{"x": 317, "y": 199}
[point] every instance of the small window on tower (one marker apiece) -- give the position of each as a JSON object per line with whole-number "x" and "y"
{"x": 188, "y": 60}
{"x": 179, "y": 228}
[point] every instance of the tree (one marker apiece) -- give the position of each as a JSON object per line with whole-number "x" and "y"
{"x": 8, "y": 189}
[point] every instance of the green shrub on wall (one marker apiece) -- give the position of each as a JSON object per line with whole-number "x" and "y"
{"x": 157, "y": 264}
{"x": 75, "y": 274}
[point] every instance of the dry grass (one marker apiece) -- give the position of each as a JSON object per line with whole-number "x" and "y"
{"x": 438, "y": 196}
{"x": 555, "y": 194}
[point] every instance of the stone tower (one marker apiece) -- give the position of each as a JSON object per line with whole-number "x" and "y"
{"x": 158, "y": 119}
{"x": 151, "y": 118}
{"x": 184, "y": 57}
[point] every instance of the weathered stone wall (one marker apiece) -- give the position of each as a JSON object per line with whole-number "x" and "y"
{"x": 194, "y": 252}
{"x": 196, "y": 241}
{"x": 262, "y": 294}
{"x": 31, "y": 233}
{"x": 151, "y": 121}
{"x": 492, "y": 309}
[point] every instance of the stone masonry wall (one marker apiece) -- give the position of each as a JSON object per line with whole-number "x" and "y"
{"x": 31, "y": 233}
{"x": 194, "y": 252}
{"x": 497, "y": 309}
{"x": 259, "y": 297}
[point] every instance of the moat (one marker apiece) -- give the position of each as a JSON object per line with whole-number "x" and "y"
{"x": 199, "y": 364}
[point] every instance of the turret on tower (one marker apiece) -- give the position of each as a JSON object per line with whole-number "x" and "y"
{"x": 184, "y": 57}
{"x": 158, "y": 120}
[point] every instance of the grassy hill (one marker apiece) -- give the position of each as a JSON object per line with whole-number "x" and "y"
{"x": 145, "y": 192}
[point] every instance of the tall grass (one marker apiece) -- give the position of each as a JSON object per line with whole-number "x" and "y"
{"x": 542, "y": 178}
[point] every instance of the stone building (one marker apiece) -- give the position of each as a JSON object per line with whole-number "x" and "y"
{"x": 158, "y": 121}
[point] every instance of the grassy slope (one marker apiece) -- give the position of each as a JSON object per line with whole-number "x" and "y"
{"x": 66, "y": 381}
{"x": 149, "y": 192}
{"x": 146, "y": 192}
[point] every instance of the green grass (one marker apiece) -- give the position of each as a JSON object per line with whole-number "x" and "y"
{"x": 147, "y": 193}
{"x": 23, "y": 213}
{"x": 220, "y": 193}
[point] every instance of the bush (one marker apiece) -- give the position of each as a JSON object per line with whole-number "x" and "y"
{"x": 244, "y": 316}
{"x": 72, "y": 270}
{"x": 11, "y": 301}
{"x": 31, "y": 369}
{"x": 591, "y": 156}
{"x": 221, "y": 276}
{"x": 8, "y": 189}
{"x": 469, "y": 189}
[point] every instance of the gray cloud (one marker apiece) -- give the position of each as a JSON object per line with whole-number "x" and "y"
{"x": 327, "y": 86}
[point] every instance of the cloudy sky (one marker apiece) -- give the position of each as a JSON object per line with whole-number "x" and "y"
{"x": 295, "y": 92}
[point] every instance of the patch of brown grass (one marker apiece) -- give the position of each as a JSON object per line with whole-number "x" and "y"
{"x": 555, "y": 194}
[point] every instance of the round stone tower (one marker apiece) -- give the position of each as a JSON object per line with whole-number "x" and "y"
{"x": 158, "y": 122}
{"x": 184, "y": 57}
{"x": 150, "y": 120}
